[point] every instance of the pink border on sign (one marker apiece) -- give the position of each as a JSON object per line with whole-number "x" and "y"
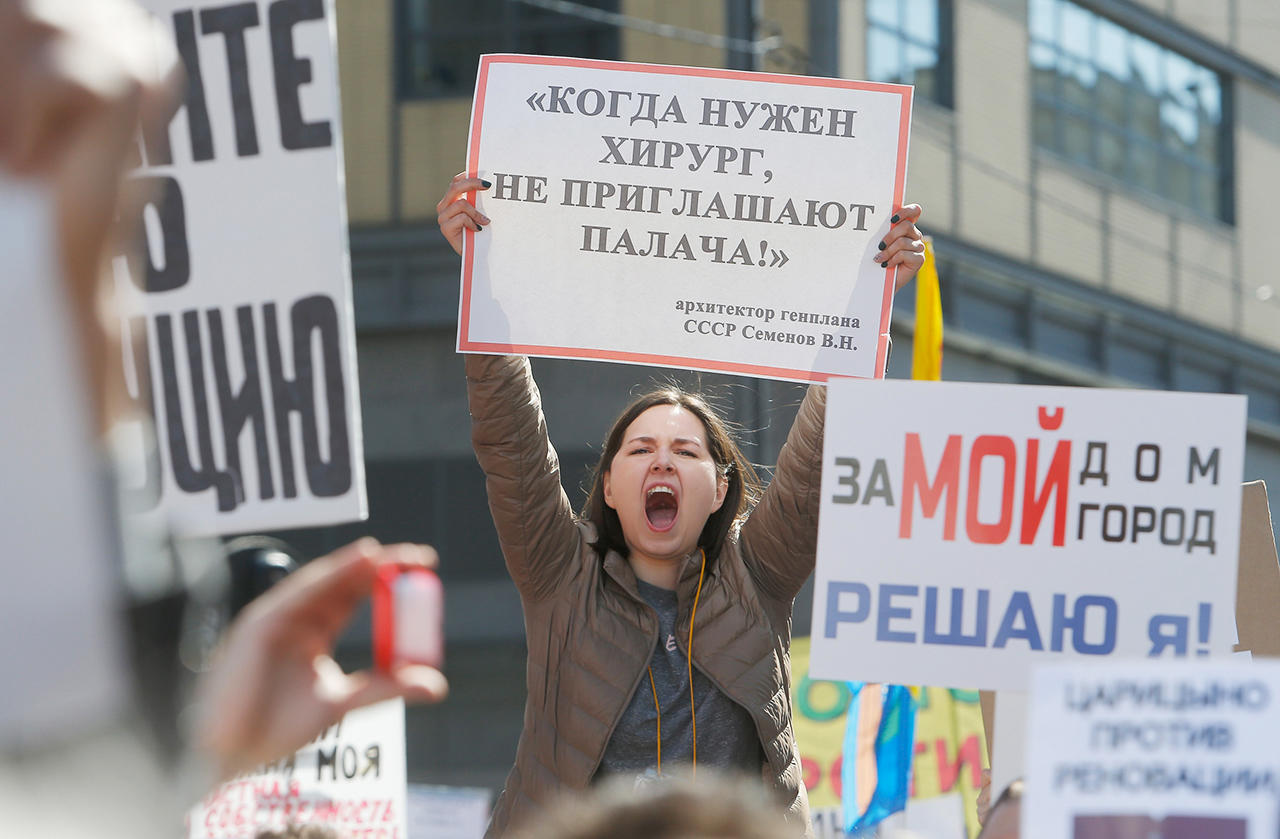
{"x": 473, "y": 161}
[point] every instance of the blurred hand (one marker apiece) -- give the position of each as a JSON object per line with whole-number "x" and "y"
{"x": 456, "y": 213}
{"x": 274, "y": 685}
{"x": 72, "y": 69}
{"x": 77, "y": 82}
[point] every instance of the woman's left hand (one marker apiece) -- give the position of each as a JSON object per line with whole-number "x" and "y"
{"x": 903, "y": 246}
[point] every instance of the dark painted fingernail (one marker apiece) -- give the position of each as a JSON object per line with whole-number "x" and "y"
{"x": 881, "y": 246}
{"x": 884, "y": 264}
{"x": 894, "y": 220}
{"x": 487, "y": 184}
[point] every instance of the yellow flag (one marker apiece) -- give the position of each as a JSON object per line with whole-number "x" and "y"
{"x": 926, "y": 353}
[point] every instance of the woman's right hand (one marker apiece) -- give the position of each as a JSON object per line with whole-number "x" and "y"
{"x": 455, "y": 213}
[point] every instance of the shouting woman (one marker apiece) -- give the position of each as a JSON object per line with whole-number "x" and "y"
{"x": 658, "y": 620}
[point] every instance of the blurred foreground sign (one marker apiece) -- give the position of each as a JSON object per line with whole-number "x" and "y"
{"x": 246, "y": 341}
{"x": 1138, "y": 750}
{"x": 971, "y": 531}
{"x": 351, "y": 779}
{"x": 683, "y": 217}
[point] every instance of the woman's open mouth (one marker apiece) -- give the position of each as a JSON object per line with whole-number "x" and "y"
{"x": 661, "y": 507}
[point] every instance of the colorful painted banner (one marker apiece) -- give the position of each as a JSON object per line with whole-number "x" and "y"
{"x": 950, "y": 750}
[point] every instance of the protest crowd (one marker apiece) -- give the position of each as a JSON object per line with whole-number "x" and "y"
{"x": 186, "y": 663}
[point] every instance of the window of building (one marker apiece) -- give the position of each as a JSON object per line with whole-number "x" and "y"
{"x": 909, "y": 42}
{"x": 439, "y": 41}
{"x": 1126, "y": 106}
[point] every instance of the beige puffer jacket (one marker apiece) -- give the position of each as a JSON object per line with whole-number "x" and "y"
{"x": 591, "y": 636}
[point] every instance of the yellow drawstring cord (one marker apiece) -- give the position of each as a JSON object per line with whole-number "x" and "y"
{"x": 693, "y": 710}
{"x": 654, "y": 688}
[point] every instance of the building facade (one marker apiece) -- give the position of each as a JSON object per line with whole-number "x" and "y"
{"x": 1098, "y": 178}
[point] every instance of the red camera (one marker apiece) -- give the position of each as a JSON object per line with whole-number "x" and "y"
{"x": 408, "y": 617}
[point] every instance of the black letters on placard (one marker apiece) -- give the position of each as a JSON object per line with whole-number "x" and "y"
{"x": 231, "y": 22}
{"x": 292, "y": 72}
{"x": 184, "y": 31}
{"x": 195, "y": 384}
{"x": 186, "y": 474}
{"x": 243, "y": 406}
{"x": 188, "y": 409}
{"x": 164, "y": 194}
{"x": 317, "y": 313}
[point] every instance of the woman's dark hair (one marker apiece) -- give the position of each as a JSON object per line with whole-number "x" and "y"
{"x": 300, "y": 831}
{"x": 744, "y": 483}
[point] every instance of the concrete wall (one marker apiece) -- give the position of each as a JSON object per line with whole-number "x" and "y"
{"x": 975, "y": 169}
{"x": 431, "y": 135}
{"x": 1258, "y": 155}
{"x": 978, "y": 173}
{"x": 365, "y": 70}
{"x": 706, "y": 17}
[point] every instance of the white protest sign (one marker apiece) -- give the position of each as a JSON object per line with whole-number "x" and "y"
{"x": 1173, "y": 750}
{"x": 351, "y": 779}
{"x": 683, "y": 217}
{"x": 247, "y": 339}
{"x": 970, "y": 531}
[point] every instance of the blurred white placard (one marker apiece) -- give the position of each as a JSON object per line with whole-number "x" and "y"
{"x": 1132, "y": 750}
{"x": 352, "y": 779}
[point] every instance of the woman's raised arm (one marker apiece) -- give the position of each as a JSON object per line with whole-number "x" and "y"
{"x": 780, "y": 537}
{"x": 530, "y": 510}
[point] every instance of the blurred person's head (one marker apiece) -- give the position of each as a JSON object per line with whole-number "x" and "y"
{"x": 1004, "y": 819}
{"x": 710, "y": 807}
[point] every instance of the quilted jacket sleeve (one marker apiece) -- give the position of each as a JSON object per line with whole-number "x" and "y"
{"x": 532, "y": 514}
{"x": 780, "y": 538}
